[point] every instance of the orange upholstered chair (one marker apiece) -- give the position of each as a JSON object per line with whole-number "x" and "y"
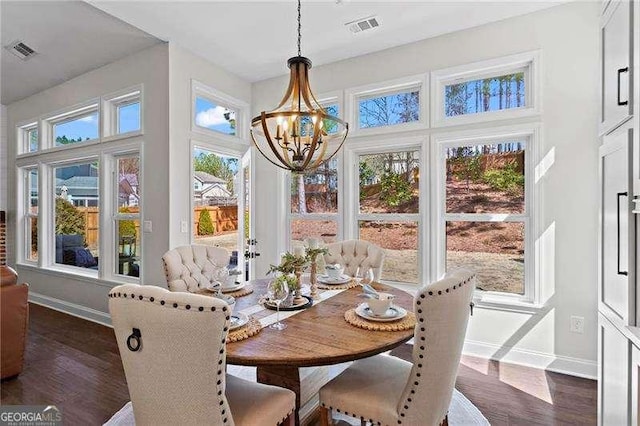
{"x": 14, "y": 317}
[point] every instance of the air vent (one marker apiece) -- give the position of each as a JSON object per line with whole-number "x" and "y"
{"x": 21, "y": 50}
{"x": 363, "y": 24}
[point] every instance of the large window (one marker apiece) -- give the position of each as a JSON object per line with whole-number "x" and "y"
{"x": 314, "y": 204}
{"x": 127, "y": 215}
{"x": 494, "y": 93}
{"x": 76, "y": 214}
{"x": 486, "y": 218}
{"x": 31, "y": 214}
{"x": 389, "y": 210}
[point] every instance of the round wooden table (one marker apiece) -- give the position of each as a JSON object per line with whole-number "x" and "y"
{"x": 317, "y": 336}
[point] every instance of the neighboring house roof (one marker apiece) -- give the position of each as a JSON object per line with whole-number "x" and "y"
{"x": 80, "y": 185}
{"x": 217, "y": 186}
{"x": 205, "y": 177}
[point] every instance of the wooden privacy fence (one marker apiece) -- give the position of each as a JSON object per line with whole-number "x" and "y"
{"x": 224, "y": 218}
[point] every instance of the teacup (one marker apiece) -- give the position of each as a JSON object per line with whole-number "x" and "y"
{"x": 230, "y": 281}
{"x": 333, "y": 271}
{"x": 381, "y": 305}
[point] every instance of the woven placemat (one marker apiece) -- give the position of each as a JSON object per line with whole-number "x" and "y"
{"x": 406, "y": 323}
{"x": 345, "y": 286}
{"x": 252, "y": 328}
{"x": 247, "y": 289}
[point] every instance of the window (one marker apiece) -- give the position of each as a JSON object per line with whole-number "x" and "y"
{"x": 314, "y": 204}
{"x": 484, "y": 95}
{"x": 485, "y": 213}
{"x": 389, "y": 109}
{"x": 31, "y": 214}
{"x": 389, "y": 210}
{"x": 76, "y": 213}
{"x": 213, "y": 116}
{"x": 127, "y": 216}
{"x": 32, "y": 138}
{"x": 501, "y": 88}
{"x": 331, "y": 126}
{"x": 27, "y": 136}
{"x": 122, "y": 112}
{"x": 75, "y": 128}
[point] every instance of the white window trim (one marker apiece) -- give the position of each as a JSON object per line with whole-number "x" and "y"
{"x": 351, "y": 214}
{"x": 22, "y": 136}
{"x": 530, "y": 61}
{"x": 110, "y": 118}
{"x": 390, "y": 87}
{"x": 532, "y": 274}
{"x": 199, "y": 89}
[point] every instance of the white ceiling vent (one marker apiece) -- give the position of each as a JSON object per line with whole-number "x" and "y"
{"x": 21, "y": 50}
{"x": 363, "y": 24}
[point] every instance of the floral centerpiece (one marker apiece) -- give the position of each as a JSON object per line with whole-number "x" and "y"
{"x": 292, "y": 263}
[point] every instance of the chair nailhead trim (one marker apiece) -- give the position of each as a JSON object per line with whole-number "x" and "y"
{"x": 175, "y": 305}
{"x": 188, "y": 307}
{"x": 201, "y": 308}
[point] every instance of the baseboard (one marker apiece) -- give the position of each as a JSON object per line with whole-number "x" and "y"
{"x": 558, "y": 364}
{"x": 70, "y": 308}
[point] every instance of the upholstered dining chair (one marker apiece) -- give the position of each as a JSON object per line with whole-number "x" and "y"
{"x": 386, "y": 390}
{"x": 172, "y": 346}
{"x": 189, "y": 268}
{"x": 356, "y": 253}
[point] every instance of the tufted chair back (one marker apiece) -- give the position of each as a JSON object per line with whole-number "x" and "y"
{"x": 442, "y": 311}
{"x": 189, "y": 268}
{"x": 164, "y": 329}
{"x": 356, "y": 253}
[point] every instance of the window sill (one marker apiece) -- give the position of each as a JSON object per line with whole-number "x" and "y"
{"x": 505, "y": 303}
{"x": 70, "y": 272}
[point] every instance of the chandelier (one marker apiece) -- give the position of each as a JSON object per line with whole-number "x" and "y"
{"x": 298, "y": 135}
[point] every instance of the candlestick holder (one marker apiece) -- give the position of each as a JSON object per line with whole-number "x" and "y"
{"x": 313, "y": 279}
{"x": 297, "y": 297}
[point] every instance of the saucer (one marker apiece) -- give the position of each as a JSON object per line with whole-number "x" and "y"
{"x": 236, "y": 286}
{"x": 229, "y": 299}
{"x": 325, "y": 279}
{"x": 238, "y": 320}
{"x": 394, "y": 313}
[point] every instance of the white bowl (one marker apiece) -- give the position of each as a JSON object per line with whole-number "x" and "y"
{"x": 381, "y": 305}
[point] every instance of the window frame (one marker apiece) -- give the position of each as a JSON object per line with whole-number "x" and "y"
{"x": 529, "y": 61}
{"x": 530, "y": 135}
{"x": 352, "y": 214}
{"x": 201, "y": 90}
{"x": 70, "y": 114}
{"x": 28, "y": 215}
{"x": 111, "y": 105}
{"x": 390, "y": 87}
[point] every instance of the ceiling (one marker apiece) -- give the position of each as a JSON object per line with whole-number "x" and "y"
{"x": 254, "y": 39}
{"x": 71, "y": 38}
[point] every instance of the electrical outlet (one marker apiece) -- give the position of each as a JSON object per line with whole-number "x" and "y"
{"x": 577, "y": 324}
{"x": 184, "y": 227}
{"x": 147, "y": 226}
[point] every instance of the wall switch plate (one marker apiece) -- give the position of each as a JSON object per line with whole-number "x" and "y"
{"x": 577, "y": 325}
{"x": 147, "y": 226}
{"x": 184, "y": 226}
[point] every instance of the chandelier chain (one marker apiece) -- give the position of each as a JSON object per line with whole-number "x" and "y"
{"x": 299, "y": 30}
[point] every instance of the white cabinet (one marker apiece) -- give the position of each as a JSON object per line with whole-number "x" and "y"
{"x": 617, "y": 254}
{"x": 613, "y": 380}
{"x": 635, "y": 381}
{"x": 616, "y": 44}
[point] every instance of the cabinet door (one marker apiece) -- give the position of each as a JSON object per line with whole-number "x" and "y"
{"x": 617, "y": 246}
{"x": 616, "y": 36}
{"x": 613, "y": 378}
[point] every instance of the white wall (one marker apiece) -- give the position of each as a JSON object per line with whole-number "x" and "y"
{"x": 184, "y": 67}
{"x": 150, "y": 68}
{"x": 3, "y": 157}
{"x": 567, "y": 36}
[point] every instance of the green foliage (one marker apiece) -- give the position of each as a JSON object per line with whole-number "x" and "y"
{"x": 288, "y": 263}
{"x": 69, "y": 220}
{"x": 395, "y": 189}
{"x": 63, "y": 140}
{"x": 205, "y": 225}
{"x": 506, "y": 179}
{"x": 126, "y": 227}
{"x": 216, "y": 166}
{"x": 366, "y": 173}
{"x": 285, "y": 279}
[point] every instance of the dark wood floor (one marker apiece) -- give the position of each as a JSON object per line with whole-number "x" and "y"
{"x": 74, "y": 364}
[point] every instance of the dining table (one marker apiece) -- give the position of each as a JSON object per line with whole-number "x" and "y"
{"x": 314, "y": 337}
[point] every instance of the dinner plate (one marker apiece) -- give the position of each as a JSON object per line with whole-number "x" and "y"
{"x": 236, "y": 286}
{"x": 325, "y": 279}
{"x": 394, "y": 313}
{"x": 238, "y": 320}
